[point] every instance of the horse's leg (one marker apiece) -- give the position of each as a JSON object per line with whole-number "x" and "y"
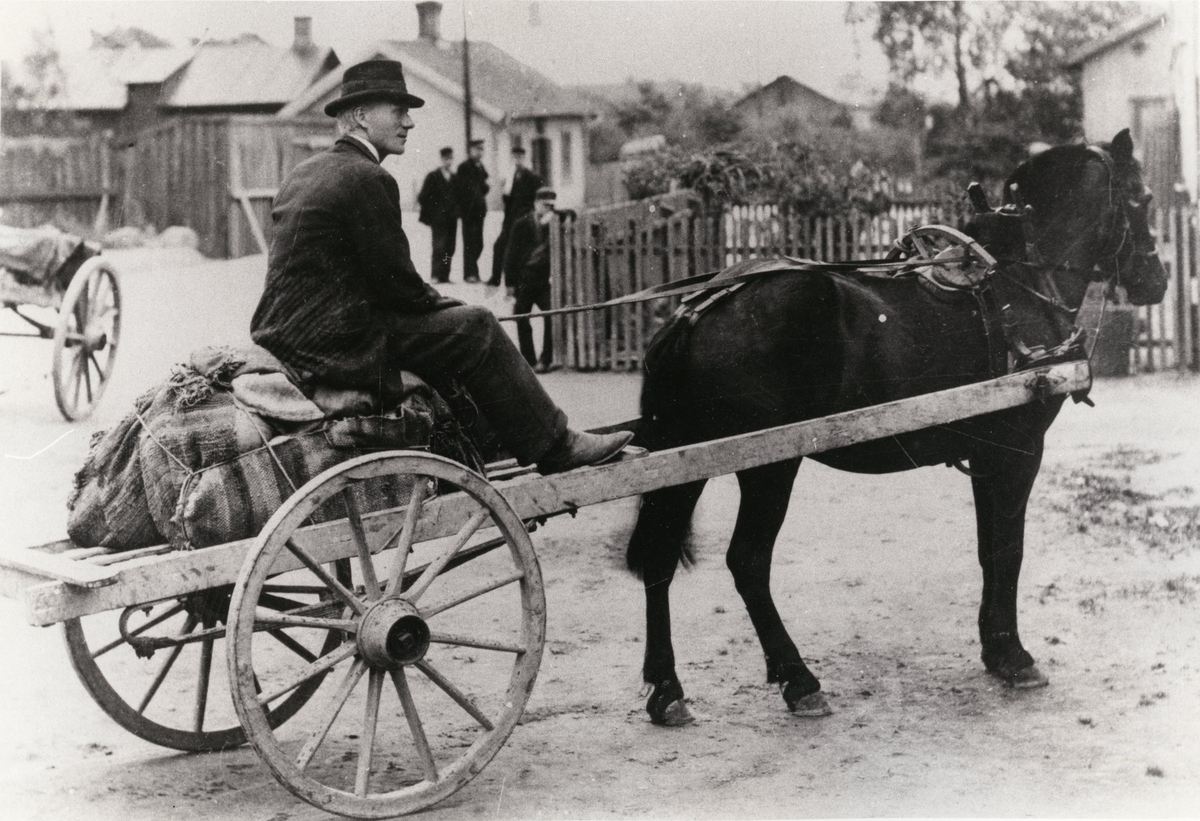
{"x": 1001, "y": 496}
{"x": 765, "y": 494}
{"x": 655, "y": 549}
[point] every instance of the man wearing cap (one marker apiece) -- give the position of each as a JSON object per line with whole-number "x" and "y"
{"x": 519, "y": 192}
{"x": 527, "y": 270}
{"x": 470, "y": 189}
{"x": 439, "y": 211}
{"x": 343, "y": 305}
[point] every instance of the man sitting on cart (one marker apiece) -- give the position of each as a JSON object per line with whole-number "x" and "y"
{"x": 344, "y": 307}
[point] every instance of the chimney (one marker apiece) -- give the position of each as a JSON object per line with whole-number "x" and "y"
{"x": 303, "y": 41}
{"x": 429, "y": 21}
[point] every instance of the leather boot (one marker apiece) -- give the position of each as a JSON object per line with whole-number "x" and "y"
{"x": 578, "y": 449}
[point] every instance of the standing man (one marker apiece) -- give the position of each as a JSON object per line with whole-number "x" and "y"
{"x": 343, "y": 305}
{"x": 527, "y": 269}
{"x": 470, "y": 186}
{"x": 439, "y": 211}
{"x": 519, "y": 192}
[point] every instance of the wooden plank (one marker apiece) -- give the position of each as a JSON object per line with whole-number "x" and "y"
{"x": 156, "y": 577}
{"x": 55, "y": 566}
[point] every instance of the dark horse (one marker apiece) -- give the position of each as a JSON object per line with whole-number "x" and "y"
{"x": 797, "y": 345}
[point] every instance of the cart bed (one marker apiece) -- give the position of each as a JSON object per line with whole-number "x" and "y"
{"x": 60, "y": 581}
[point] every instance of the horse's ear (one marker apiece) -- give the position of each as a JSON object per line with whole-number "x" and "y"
{"x": 1122, "y": 146}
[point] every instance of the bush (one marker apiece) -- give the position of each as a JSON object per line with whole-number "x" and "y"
{"x": 760, "y": 172}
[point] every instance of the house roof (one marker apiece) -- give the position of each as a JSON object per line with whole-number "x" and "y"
{"x": 95, "y": 80}
{"x": 501, "y": 86}
{"x": 1116, "y": 38}
{"x": 246, "y": 72}
{"x": 785, "y": 89}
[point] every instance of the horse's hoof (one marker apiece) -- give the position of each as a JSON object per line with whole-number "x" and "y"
{"x": 675, "y": 714}
{"x": 811, "y": 706}
{"x": 1027, "y": 678}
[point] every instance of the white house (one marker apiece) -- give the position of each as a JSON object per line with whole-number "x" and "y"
{"x": 511, "y": 104}
{"x": 1144, "y": 77}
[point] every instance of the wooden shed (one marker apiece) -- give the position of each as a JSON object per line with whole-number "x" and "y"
{"x": 218, "y": 175}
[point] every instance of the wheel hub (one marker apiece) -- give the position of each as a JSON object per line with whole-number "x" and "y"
{"x": 392, "y": 634}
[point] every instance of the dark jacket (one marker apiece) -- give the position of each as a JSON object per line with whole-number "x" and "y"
{"x": 339, "y": 263}
{"x": 527, "y": 258}
{"x": 520, "y": 198}
{"x": 438, "y": 205}
{"x": 470, "y": 189}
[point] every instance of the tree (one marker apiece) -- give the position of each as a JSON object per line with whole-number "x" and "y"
{"x": 1005, "y": 62}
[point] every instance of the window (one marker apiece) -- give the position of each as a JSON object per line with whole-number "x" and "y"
{"x": 567, "y": 162}
{"x": 539, "y": 160}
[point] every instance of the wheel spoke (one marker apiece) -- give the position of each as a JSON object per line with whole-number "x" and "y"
{"x": 161, "y": 675}
{"x": 436, "y": 567}
{"x": 459, "y": 696}
{"x": 283, "y": 620}
{"x": 91, "y": 355}
{"x": 280, "y": 603}
{"x": 206, "y": 654}
{"x": 331, "y": 713}
{"x": 482, "y": 644}
{"x": 370, "y": 582}
{"x": 76, "y": 379}
{"x": 466, "y": 597}
{"x": 316, "y": 668}
{"x": 142, "y": 629}
{"x": 407, "y": 532}
{"x": 293, "y": 645}
{"x": 366, "y": 742}
{"x": 321, "y": 573}
{"x": 414, "y": 725}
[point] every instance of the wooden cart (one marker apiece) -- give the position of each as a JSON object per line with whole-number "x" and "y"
{"x": 85, "y": 332}
{"x": 412, "y": 635}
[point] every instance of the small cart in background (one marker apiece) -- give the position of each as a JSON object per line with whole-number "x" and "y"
{"x": 47, "y": 269}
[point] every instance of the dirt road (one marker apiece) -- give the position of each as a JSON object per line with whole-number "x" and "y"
{"x": 876, "y": 578}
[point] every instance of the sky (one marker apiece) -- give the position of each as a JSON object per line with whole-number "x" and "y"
{"x": 728, "y": 44}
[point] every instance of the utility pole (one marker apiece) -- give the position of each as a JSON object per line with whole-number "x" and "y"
{"x": 466, "y": 54}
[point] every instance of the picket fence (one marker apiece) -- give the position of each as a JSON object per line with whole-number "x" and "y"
{"x": 614, "y": 251}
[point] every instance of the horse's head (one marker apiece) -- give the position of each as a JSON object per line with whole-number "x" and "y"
{"x": 1090, "y": 216}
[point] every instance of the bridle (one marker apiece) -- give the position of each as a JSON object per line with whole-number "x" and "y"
{"x": 1120, "y": 246}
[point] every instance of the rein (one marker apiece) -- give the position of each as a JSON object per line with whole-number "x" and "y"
{"x": 704, "y": 282}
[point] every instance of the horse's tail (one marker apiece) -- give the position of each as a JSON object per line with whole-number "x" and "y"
{"x": 659, "y": 533}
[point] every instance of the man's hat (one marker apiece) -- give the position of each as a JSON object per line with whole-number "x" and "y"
{"x": 517, "y": 150}
{"x": 545, "y": 193}
{"x": 447, "y": 152}
{"x": 373, "y": 80}
{"x": 475, "y": 144}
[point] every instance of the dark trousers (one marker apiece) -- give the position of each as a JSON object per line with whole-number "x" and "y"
{"x": 472, "y": 229}
{"x": 445, "y": 236}
{"x": 498, "y": 251}
{"x": 467, "y": 343}
{"x": 526, "y": 299}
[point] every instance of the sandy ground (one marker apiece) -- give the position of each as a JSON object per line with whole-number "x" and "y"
{"x": 876, "y": 578}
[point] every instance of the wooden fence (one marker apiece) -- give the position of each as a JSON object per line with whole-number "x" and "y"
{"x": 72, "y": 182}
{"x": 610, "y": 252}
{"x": 218, "y": 175}
{"x": 1167, "y": 335}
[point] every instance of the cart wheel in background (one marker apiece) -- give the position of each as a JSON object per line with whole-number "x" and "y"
{"x": 962, "y": 261}
{"x": 85, "y": 341}
{"x": 446, "y": 635}
{"x": 150, "y": 668}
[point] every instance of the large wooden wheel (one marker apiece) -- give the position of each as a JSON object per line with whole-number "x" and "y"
{"x": 150, "y": 668}
{"x": 85, "y": 340}
{"x": 444, "y": 634}
{"x": 959, "y": 261}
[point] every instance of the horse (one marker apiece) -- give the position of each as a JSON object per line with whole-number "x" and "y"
{"x": 802, "y": 344}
